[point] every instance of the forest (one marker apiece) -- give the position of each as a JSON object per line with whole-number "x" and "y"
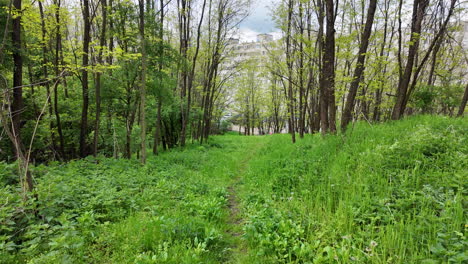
{"x": 153, "y": 131}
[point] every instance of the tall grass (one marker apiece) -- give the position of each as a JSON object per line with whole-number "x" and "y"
{"x": 390, "y": 193}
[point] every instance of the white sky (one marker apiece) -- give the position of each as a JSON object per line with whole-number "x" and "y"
{"x": 259, "y": 21}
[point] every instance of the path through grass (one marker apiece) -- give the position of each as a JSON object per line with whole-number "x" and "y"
{"x": 391, "y": 193}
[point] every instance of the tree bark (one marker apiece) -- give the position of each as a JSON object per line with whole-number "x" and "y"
{"x": 461, "y": 109}
{"x": 329, "y": 64}
{"x": 360, "y": 66}
{"x": 46, "y": 75}
{"x": 419, "y": 10}
{"x": 58, "y": 50}
{"x": 17, "y": 106}
{"x": 157, "y": 133}
{"x": 419, "y": 68}
{"x": 84, "y": 79}
{"x": 323, "y": 94}
{"x": 289, "y": 62}
{"x": 143, "y": 82}
{"x": 102, "y": 44}
{"x": 302, "y": 89}
{"x": 190, "y": 79}
{"x": 184, "y": 38}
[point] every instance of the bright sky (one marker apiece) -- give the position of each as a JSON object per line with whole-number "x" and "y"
{"x": 259, "y": 21}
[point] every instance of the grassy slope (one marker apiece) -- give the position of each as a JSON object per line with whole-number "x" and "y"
{"x": 391, "y": 193}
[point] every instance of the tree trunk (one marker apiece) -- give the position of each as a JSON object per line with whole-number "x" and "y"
{"x": 323, "y": 94}
{"x": 46, "y": 75}
{"x": 17, "y": 106}
{"x": 461, "y": 109}
{"x": 289, "y": 62}
{"x": 437, "y": 38}
{"x": 157, "y": 133}
{"x": 329, "y": 64}
{"x": 143, "y": 82}
{"x": 102, "y": 44}
{"x": 302, "y": 97}
{"x": 419, "y": 10}
{"x": 184, "y": 38}
{"x": 431, "y": 78}
{"x": 84, "y": 79}
{"x": 360, "y": 66}
{"x": 58, "y": 49}
{"x": 190, "y": 79}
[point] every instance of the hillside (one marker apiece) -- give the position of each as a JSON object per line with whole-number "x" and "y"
{"x": 387, "y": 193}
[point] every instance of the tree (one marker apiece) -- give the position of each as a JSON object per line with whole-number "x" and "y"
{"x": 102, "y": 44}
{"x": 84, "y": 78}
{"x": 289, "y": 62}
{"x": 143, "y": 81}
{"x": 58, "y": 58}
{"x": 328, "y": 69}
{"x": 461, "y": 109}
{"x": 16, "y": 107}
{"x": 419, "y": 10}
{"x": 350, "y": 101}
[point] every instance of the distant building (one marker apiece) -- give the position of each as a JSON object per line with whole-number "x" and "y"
{"x": 238, "y": 52}
{"x": 242, "y": 51}
{"x": 264, "y": 38}
{"x": 464, "y": 34}
{"x": 233, "y": 41}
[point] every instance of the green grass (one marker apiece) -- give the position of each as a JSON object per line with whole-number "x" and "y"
{"x": 389, "y": 193}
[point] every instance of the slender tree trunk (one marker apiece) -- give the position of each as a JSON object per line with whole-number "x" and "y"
{"x": 58, "y": 55}
{"x": 323, "y": 94}
{"x": 128, "y": 140}
{"x": 431, "y": 78}
{"x": 289, "y": 62}
{"x": 360, "y": 66}
{"x": 143, "y": 82}
{"x": 302, "y": 97}
{"x": 461, "y": 109}
{"x": 17, "y": 106}
{"x": 130, "y": 114}
{"x": 157, "y": 133}
{"x": 437, "y": 38}
{"x": 110, "y": 58}
{"x": 184, "y": 36}
{"x": 191, "y": 77}
{"x": 102, "y": 44}
{"x": 84, "y": 78}
{"x": 329, "y": 64}
{"x": 419, "y": 10}
{"x": 46, "y": 75}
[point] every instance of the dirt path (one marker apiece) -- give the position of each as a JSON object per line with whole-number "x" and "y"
{"x": 236, "y": 220}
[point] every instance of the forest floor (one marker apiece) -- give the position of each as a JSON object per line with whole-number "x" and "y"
{"x": 388, "y": 193}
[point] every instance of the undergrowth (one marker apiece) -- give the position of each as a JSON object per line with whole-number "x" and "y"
{"x": 172, "y": 210}
{"x": 388, "y": 193}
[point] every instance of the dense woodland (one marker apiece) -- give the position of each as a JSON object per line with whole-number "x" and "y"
{"x": 95, "y": 85}
{"x": 119, "y": 77}
{"x": 340, "y": 61}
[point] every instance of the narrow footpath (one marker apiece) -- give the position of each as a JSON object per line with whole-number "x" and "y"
{"x": 236, "y": 220}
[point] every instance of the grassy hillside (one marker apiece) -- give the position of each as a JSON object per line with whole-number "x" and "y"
{"x": 390, "y": 193}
